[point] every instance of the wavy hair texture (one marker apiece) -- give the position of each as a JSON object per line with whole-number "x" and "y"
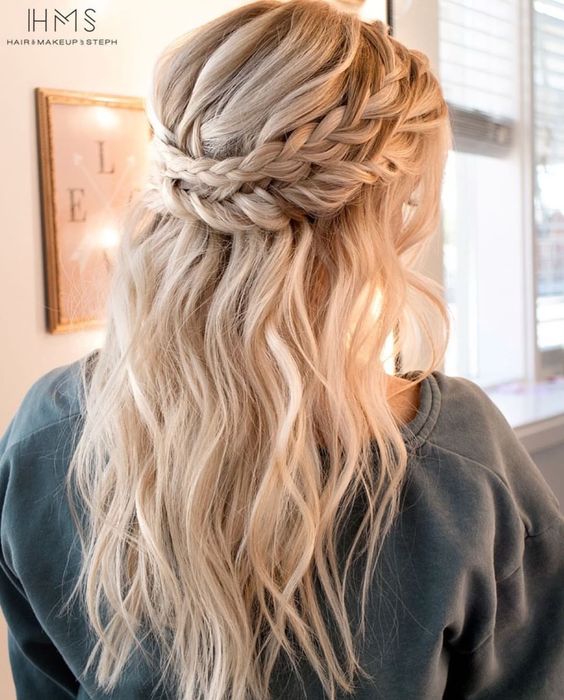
{"x": 238, "y": 407}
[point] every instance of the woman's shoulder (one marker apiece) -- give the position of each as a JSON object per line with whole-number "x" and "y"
{"x": 52, "y": 400}
{"x": 471, "y": 434}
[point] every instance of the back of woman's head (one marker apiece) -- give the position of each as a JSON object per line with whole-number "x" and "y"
{"x": 239, "y": 407}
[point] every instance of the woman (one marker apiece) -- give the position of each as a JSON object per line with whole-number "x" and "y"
{"x": 263, "y": 510}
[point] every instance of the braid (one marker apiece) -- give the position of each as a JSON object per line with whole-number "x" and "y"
{"x": 309, "y": 173}
{"x": 230, "y": 359}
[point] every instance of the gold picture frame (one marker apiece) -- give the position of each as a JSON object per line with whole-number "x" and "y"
{"x": 93, "y": 152}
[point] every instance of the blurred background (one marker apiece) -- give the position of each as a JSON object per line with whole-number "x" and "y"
{"x": 499, "y": 252}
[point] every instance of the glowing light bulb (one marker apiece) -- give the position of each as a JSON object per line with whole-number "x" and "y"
{"x": 109, "y": 237}
{"x": 107, "y": 117}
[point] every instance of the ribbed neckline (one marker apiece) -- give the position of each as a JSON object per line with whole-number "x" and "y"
{"x": 420, "y": 426}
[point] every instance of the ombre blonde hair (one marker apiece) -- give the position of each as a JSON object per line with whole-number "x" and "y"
{"x": 238, "y": 408}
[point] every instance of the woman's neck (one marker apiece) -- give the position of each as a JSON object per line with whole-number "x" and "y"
{"x": 403, "y": 396}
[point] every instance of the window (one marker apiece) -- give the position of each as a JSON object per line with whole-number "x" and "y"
{"x": 548, "y": 100}
{"x": 501, "y": 63}
{"x": 480, "y": 67}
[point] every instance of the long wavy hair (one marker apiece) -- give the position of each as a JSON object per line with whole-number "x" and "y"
{"x": 239, "y": 405}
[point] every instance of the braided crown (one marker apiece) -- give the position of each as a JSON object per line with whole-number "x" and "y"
{"x": 306, "y": 174}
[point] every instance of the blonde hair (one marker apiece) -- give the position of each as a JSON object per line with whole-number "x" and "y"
{"x": 238, "y": 408}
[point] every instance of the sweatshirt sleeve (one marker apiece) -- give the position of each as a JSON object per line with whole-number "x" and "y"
{"x": 38, "y": 669}
{"x": 521, "y": 654}
{"x": 523, "y": 657}
{"x": 517, "y": 545}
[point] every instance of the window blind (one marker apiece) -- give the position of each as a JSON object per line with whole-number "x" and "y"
{"x": 479, "y": 71}
{"x": 548, "y": 62}
{"x": 548, "y": 110}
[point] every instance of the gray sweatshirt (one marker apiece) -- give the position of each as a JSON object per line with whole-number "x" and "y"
{"x": 468, "y": 595}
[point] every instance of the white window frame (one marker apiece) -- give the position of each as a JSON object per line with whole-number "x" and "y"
{"x": 416, "y": 24}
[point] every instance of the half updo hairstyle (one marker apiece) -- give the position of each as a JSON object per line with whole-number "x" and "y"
{"x": 238, "y": 407}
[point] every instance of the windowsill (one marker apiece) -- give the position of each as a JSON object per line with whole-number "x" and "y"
{"x": 534, "y": 410}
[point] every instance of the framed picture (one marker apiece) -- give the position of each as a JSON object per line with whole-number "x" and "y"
{"x": 93, "y": 155}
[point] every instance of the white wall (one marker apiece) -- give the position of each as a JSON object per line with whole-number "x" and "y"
{"x": 142, "y": 29}
{"x": 27, "y": 350}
